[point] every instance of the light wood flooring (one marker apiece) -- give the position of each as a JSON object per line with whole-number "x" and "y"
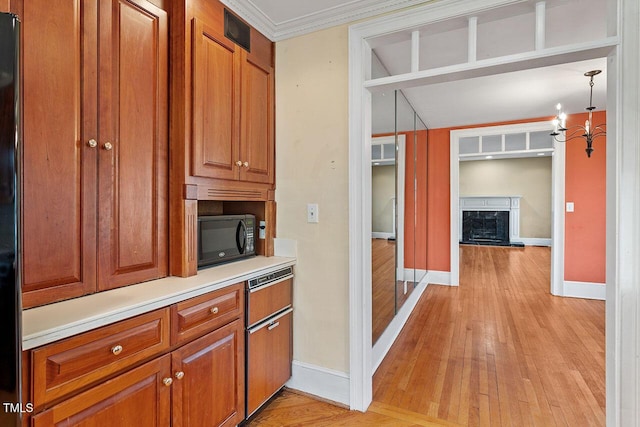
{"x": 498, "y": 350}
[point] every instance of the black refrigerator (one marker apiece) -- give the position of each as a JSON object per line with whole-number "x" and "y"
{"x": 10, "y": 301}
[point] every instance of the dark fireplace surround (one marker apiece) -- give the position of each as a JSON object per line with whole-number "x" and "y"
{"x": 485, "y": 228}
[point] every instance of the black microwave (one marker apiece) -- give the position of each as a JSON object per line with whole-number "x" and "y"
{"x": 223, "y": 238}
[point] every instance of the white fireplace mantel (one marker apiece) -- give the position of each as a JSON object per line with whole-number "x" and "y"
{"x": 494, "y": 203}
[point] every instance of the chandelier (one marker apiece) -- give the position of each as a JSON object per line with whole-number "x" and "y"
{"x": 589, "y": 132}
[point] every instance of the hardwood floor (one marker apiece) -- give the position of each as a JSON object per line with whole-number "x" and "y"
{"x": 498, "y": 350}
{"x": 293, "y": 409}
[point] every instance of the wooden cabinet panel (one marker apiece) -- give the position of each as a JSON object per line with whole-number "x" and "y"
{"x": 136, "y": 398}
{"x": 211, "y": 389}
{"x": 269, "y": 356}
{"x": 95, "y": 168}
{"x": 68, "y": 365}
{"x": 257, "y": 146}
{"x": 266, "y": 300}
{"x": 133, "y": 178}
{"x": 199, "y": 315}
{"x": 59, "y": 168}
{"x": 215, "y": 109}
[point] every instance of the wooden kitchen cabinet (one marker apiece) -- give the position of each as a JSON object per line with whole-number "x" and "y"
{"x": 140, "y": 397}
{"x": 194, "y": 373}
{"x": 208, "y": 386}
{"x": 222, "y": 125}
{"x": 95, "y": 109}
{"x": 233, "y": 131}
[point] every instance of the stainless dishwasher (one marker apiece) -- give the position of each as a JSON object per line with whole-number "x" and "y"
{"x": 269, "y": 336}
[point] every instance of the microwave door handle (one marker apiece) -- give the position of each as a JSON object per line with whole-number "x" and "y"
{"x": 241, "y": 237}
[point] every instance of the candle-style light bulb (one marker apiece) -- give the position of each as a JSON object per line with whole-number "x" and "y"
{"x": 586, "y": 126}
{"x": 563, "y": 120}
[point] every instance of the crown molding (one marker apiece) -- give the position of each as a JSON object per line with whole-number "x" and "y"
{"x": 352, "y": 11}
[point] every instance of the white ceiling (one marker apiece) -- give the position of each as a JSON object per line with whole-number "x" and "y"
{"x": 503, "y": 97}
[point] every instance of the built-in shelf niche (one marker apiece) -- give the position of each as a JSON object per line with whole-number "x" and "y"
{"x": 263, "y": 211}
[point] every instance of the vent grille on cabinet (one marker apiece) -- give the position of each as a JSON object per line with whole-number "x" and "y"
{"x": 237, "y": 31}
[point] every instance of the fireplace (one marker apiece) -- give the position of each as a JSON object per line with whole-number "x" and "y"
{"x": 485, "y": 227}
{"x": 489, "y": 220}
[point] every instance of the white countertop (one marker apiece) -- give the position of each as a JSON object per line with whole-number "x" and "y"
{"x": 49, "y": 323}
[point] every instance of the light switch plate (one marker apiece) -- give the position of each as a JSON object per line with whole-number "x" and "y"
{"x": 570, "y": 207}
{"x": 312, "y": 213}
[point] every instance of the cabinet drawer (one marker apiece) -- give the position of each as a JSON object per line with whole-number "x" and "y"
{"x": 199, "y": 315}
{"x": 269, "y": 299}
{"x": 71, "y": 364}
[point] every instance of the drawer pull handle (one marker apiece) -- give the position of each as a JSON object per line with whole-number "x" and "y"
{"x": 108, "y": 146}
{"x": 238, "y": 163}
{"x": 92, "y": 143}
{"x": 214, "y": 310}
{"x": 179, "y": 375}
{"x": 245, "y": 164}
{"x": 116, "y": 350}
{"x": 167, "y": 381}
{"x": 273, "y": 325}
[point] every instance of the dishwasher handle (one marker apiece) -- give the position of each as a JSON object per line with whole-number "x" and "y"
{"x": 271, "y": 323}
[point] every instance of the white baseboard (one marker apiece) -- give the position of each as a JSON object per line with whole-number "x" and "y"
{"x": 322, "y": 382}
{"x": 381, "y": 235}
{"x": 588, "y": 290}
{"x": 439, "y": 277}
{"x": 535, "y": 241}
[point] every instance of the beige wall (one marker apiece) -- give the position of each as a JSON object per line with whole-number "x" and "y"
{"x": 383, "y": 188}
{"x": 529, "y": 178}
{"x": 312, "y": 145}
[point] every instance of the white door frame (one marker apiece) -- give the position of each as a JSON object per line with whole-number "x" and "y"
{"x": 557, "y": 194}
{"x": 623, "y": 199}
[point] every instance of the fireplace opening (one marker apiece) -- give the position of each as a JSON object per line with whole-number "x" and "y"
{"x": 485, "y": 227}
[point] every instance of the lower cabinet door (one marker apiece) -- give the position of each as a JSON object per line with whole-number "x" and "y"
{"x": 269, "y": 354}
{"x": 139, "y": 397}
{"x": 208, "y": 373}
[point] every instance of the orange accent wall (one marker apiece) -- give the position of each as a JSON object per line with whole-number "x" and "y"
{"x": 585, "y": 253}
{"x": 438, "y": 200}
{"x": 585, "y": 186}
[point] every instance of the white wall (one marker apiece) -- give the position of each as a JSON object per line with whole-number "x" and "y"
{"x": 312, "y": 167}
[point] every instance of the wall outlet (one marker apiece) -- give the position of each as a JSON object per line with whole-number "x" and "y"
{"x": 570, "y": 207}
{"x": 262, "y": 230}
{"x": 312, "y": 213}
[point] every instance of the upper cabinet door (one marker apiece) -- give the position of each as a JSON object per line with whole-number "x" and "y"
{"x": 59, "y": 161}
{"x": 215, "y": 104}
{"x": 133, "y": 126}
{"x": 257, "y": 147}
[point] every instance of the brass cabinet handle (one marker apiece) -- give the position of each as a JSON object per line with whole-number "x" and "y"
{"x": 179, "y": 375}
{"x": 167, "y": 381}
{"x": 238, "y": 163}
{"x": 116, "y": 350}
{"x": 107, "y": 146}
{"x": 214, "y": 310}
{"x": 246, "y": 164}
{"x": 92, "y": 143}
